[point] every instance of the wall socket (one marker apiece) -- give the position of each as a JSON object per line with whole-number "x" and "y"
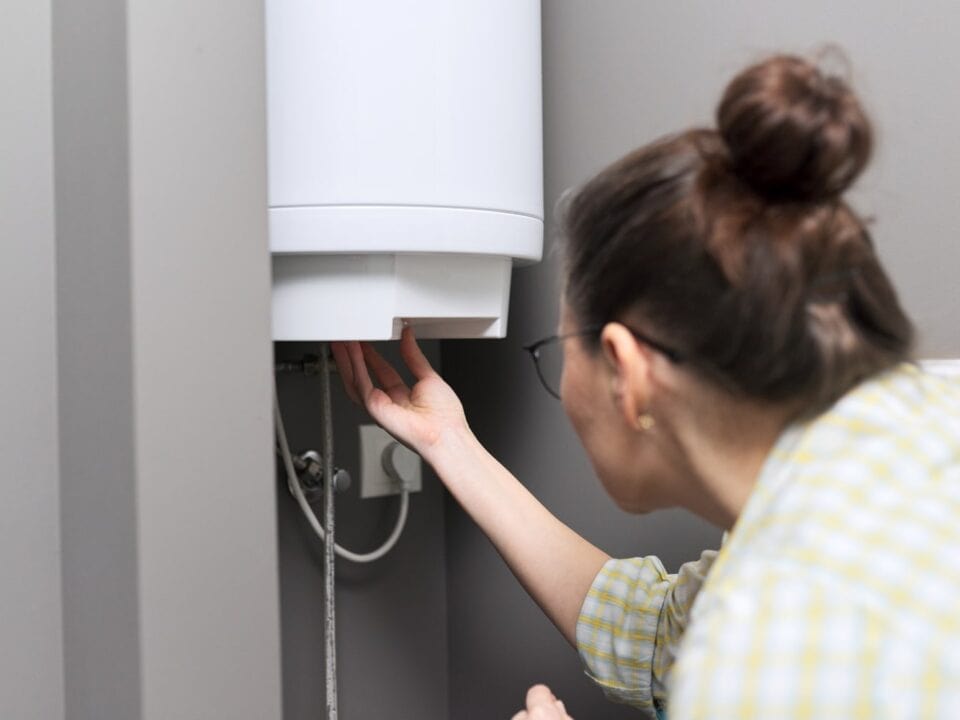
{"x": 374, "y": 480}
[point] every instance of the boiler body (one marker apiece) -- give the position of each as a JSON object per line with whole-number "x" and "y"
{"x": 405, "y": 164}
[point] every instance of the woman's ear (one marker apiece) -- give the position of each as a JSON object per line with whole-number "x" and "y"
{"x": 629, "y": 365}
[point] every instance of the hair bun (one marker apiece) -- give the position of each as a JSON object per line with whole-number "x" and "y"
{"x": 793, "y": 133}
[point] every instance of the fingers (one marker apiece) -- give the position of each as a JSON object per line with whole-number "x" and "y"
{"x": 553, "y": 711}
{"x": 544, "y": 712}
{"x": 389, "y": 379}
{"x": 361, "y": 378}
{"x": 413, "y": 356}
{"x": 539, "y": 695}
{"x": 342, "y": 359}
{"x": 542, "y": 705}
{"x": 355, "y": 375}
{"x": 380, "y": 405}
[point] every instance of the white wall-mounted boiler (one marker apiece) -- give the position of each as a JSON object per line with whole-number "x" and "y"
{"x": 405, "y": 164}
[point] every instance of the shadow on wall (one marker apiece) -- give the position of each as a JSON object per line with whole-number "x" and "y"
{"x": 391, "y": 613}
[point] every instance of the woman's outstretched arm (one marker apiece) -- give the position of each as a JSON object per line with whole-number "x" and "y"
{"x": 554, "y": 564}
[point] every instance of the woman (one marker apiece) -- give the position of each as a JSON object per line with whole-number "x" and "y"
{"x": 733, "y": 346}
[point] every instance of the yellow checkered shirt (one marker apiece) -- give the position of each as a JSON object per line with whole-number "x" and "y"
{"x": 837, "y": 593}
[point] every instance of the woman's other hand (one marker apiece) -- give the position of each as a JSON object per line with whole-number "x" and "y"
{"x": 542, "y": 705}
{"x": 420, "y": 416}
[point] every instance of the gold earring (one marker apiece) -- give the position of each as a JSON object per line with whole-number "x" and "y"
{"x": 645, "y": 421}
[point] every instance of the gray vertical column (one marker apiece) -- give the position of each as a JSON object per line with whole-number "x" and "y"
{"x": 31, "y": 666}
{"x": 97, "y": 460}
{"x": 170, "y": 566}
{"x": 202, "y": 348}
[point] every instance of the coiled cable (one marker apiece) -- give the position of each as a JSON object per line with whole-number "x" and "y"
{"x": 293, "y": 483}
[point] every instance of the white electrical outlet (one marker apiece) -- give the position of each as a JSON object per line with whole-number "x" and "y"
{"x": 374, "y": 480}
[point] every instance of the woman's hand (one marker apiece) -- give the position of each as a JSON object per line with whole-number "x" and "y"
{"x": 420, "y": 416}
{"x": 554, "y": 564}
{"x": 542, "y": 705}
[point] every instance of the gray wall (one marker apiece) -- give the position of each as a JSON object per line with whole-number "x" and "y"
{"x": 618, "y": 74}
{"x": 391, "y": 614}
{"x": 31, "y": 665}
{"x": 138, "y": 521}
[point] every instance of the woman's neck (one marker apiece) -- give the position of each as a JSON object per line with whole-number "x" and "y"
{"x": 725, "y": 447}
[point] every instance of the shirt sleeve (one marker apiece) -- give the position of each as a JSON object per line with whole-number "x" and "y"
{"x": 631, "y": 624}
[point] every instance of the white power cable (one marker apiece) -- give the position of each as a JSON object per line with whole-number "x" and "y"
{"x": 293, "y": 483}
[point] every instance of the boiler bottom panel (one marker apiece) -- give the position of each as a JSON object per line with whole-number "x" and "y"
{"x": 371, "y": 296}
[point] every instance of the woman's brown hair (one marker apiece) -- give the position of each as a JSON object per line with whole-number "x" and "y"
{"x": 735, "y": 247}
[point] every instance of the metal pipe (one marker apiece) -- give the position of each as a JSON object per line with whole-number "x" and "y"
{"x": 329, "y": 555}
{"x": 307, "y": 365}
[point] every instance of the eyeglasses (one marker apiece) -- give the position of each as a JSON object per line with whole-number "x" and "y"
{"x": 547, "y": 355}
